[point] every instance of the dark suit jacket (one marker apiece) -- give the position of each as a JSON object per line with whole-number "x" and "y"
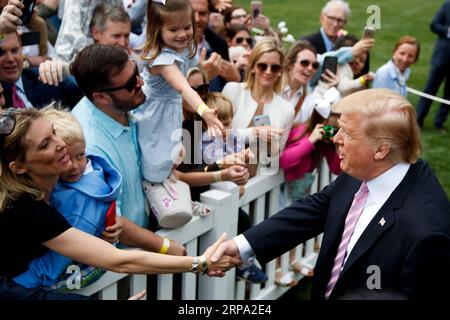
{"x": 411, "y": 249}
{"x": 220, "y": 46}
{"x": 440, "y": 25}
{"x": 317, "y": 41}
{"x": 40, "y": 94}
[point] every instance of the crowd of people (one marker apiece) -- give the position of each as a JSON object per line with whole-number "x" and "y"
{"x": 115, "y": 98}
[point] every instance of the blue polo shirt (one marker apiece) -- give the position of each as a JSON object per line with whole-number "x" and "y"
{"x": 118, "y": 144}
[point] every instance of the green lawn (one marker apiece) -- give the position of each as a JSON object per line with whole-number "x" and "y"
{"x": 398, "y": 17}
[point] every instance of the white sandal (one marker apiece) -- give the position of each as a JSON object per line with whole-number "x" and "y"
{"x": 302, "y": 268}
{"x": 200, "y": 210}
{"x": 286, "y": 280}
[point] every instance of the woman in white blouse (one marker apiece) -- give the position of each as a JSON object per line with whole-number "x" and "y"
{"x": 259, "y": 96}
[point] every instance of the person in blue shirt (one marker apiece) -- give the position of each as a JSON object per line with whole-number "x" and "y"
{"x": 395, "y": 73}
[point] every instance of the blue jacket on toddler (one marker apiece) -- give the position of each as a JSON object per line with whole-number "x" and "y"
{"x": 84, "y": 204}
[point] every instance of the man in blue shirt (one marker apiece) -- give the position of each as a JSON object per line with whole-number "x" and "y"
{"x": 113, "y": 87}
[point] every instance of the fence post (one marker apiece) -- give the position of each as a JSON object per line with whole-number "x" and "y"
{"x": 225, "y": 206}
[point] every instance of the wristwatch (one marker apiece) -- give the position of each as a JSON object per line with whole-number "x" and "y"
{"x": 194, "y": 266}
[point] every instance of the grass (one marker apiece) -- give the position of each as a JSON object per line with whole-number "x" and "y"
{"x": 398, "y": 17}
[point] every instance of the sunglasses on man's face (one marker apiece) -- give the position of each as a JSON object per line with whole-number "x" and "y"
{"x": 274, "y": 68}
{"x": 202, "y": 89}
{"x": 305, "y": 64}
{"x": 130, "y": 85}
{"x": 249, "y": 41}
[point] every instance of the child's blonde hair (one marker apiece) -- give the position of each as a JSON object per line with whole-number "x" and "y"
{"x": 66, "y": 125}
{"x": 157, "y": 15}
{"x": 221, "y": 103}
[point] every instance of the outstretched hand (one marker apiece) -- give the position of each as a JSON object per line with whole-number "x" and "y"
{"x": 225, "y": 249}
{"x": 219, "y": 261}
{"x": 215, "y": 127}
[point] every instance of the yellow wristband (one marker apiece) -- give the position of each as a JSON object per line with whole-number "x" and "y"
{"x": 362, "y": 80}
{"x": 202, "y": 108}
{"x": 165, "y": 247}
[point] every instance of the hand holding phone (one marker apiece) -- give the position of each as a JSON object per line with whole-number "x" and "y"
{"x": 330, "y": 63}
{"x": 255, "y": 10}
{"x": 27, "y": 11}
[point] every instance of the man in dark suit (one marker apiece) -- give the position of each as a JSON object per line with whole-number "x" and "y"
{"x": 22, "y": 87}
{"x": 395, "y": 235}
{"x": 440, "y": 69}
{"x": 332, "y": 18}
{"x": 217, "y": 65}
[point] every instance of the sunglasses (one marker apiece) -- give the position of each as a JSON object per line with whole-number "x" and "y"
{"x": 337, "y": 20}
{"x": 274, "y": 68}
{"x": 130, "y": 85}
{"x": 249, "y": 41}
{"x": 202, "y": 89}
{"x": 305, "y": 63}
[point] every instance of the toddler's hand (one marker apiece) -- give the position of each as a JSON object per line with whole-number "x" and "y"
{"x": 215, "y": 127}
{"x": 112, "y": 233}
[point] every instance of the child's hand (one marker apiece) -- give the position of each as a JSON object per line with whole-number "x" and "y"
{"x": 317, "y": 133}
{"x": 112, "y": 233}
{"x": 215, "y": 127}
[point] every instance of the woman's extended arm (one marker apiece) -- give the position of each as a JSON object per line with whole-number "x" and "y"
{"x": 87, "y": 249}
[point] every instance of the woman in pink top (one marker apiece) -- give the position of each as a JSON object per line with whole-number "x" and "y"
{"x": 306, "y": 145}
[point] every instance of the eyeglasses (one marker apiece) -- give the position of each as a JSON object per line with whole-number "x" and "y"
{"x": 7, "y": 122}
{"x": 249, "y": 41}
{"x": 338, "y": 20}
{"x": 238, "y": 16}
{"x": 262, "y": 67}
{"x": 130, "y": 85}
{"x": 202, "y": 89}
{"x": 305, "y": 63}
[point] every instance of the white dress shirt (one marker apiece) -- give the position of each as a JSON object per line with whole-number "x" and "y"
{"x": 21, "y": 93}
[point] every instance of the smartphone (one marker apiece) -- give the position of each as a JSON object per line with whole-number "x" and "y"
{"x": 255, "y": 9}
{"x": 27, "y": 10}
{"x": 261, "y": 120}
{"x": 30, "y": 38}
{"x": 111, "y": 215}
{"x": 330, "y": 63}
{"x": 368, "y": 33}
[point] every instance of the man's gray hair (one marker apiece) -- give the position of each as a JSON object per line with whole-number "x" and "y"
{"x": 332, "y": 3}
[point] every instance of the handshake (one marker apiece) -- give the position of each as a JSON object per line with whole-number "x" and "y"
{"x": 218, "y": 258}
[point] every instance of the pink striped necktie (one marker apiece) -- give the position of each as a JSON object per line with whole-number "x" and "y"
{"x": 17, "y": 101}
{"x": 350, "y": 222}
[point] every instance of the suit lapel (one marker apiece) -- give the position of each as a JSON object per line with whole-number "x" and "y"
{"x": 384, "y": 219}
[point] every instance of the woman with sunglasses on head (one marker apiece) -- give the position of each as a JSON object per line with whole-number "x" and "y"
{"x": 32, "y": 157}
{"x": 258, "y": 98}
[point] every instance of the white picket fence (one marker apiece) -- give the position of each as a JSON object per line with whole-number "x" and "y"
{"x": 261, "y": 200}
